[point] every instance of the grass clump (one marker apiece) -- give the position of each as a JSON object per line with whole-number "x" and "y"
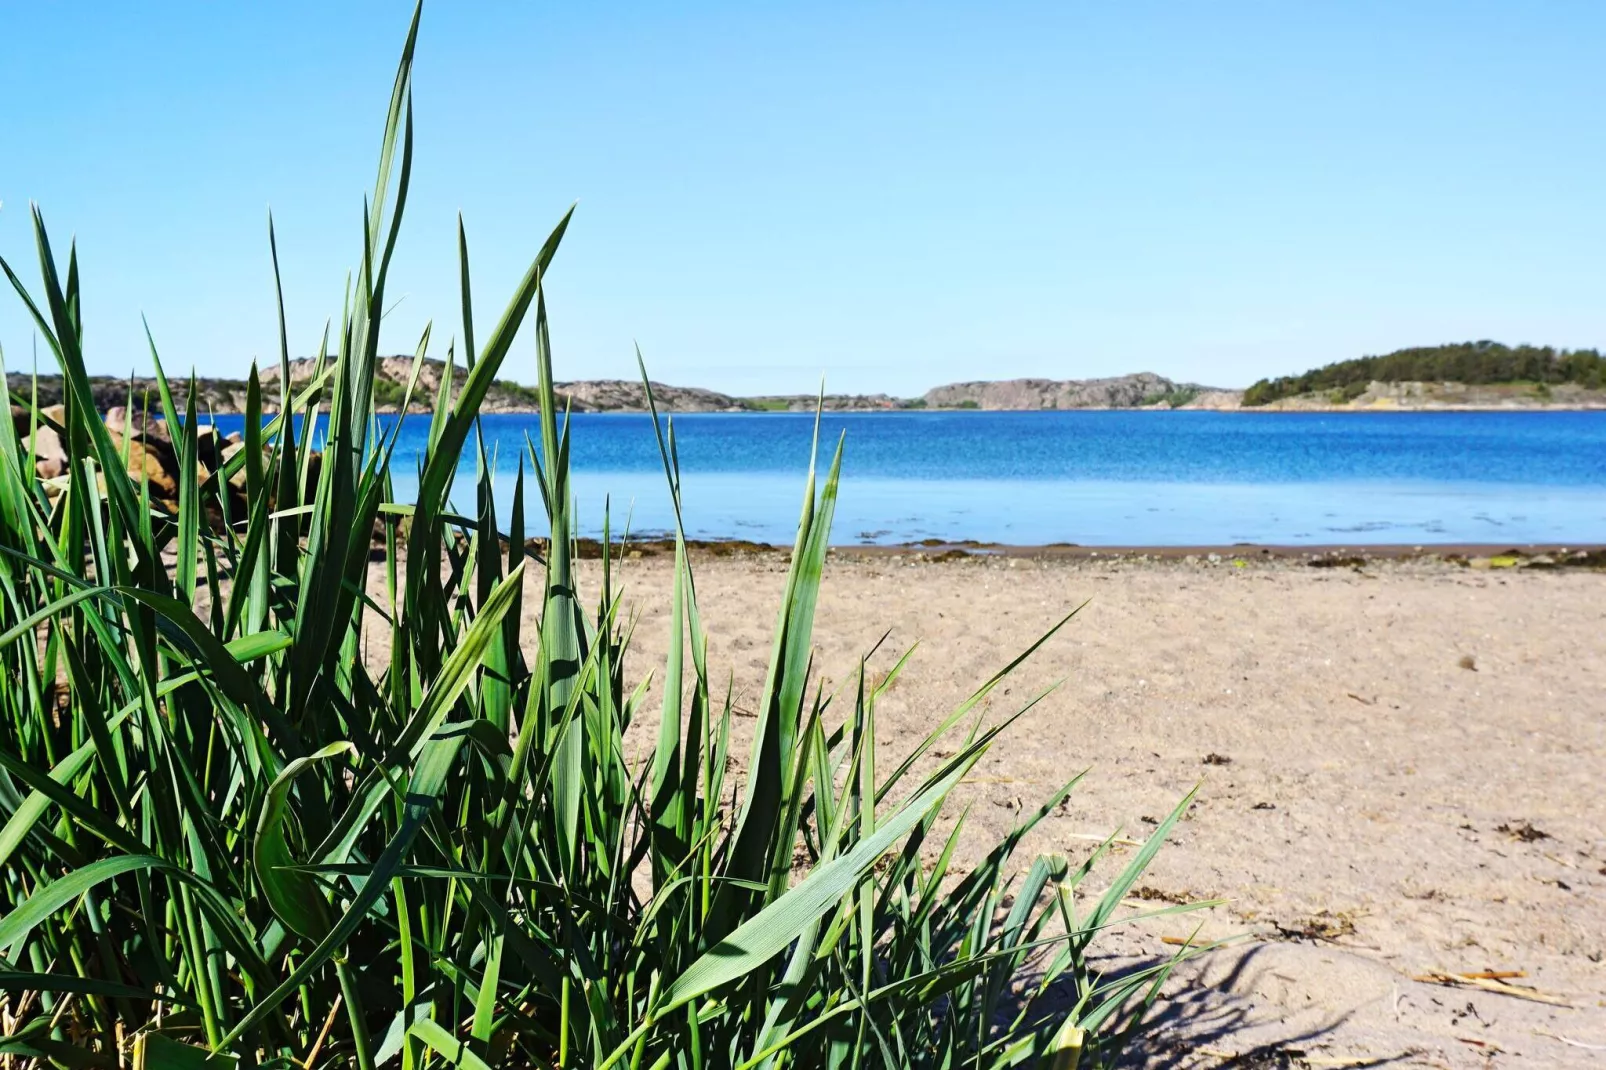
{"x": 235, "y": 824}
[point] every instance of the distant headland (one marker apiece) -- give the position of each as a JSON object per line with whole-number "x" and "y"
{"x": 1462, "y": 376}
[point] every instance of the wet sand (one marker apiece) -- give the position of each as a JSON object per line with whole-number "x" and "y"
{"x": 1401, "y": 761}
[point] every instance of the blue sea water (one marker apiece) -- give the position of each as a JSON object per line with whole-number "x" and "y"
{"x": 1093, "y": 478}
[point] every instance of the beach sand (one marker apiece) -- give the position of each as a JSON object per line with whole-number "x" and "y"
{"x": 1401, "y": 769}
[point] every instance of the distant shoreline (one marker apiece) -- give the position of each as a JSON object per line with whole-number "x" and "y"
{"x": 1591, "y": 555}
{"x": 1246, "y": 409}
{"x": 401, "y": 383}
{"x": 1312, "y": 411}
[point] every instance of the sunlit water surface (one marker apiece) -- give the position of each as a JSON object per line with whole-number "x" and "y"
{"x": 1093, "y": 478}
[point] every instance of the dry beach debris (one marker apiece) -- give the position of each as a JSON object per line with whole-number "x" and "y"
{"x": 1491, "y": 981}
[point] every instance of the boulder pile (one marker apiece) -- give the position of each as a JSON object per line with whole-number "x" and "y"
{"x": 152, "y": 456}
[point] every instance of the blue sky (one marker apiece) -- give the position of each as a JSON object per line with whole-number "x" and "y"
{"x": 888, "y": 195}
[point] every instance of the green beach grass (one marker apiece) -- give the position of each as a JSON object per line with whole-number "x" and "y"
{"x": 234, "y": 834}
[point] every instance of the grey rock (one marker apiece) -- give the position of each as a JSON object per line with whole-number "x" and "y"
{"x": 1119, "y": 392}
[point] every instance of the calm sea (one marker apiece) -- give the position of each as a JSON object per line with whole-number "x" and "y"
{"x": 1094, "y": 478}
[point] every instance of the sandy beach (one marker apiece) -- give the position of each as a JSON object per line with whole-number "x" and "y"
{"x": 1400, "y": 766}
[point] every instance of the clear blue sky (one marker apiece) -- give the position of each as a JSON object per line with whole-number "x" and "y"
{"x": 891, "y": 195}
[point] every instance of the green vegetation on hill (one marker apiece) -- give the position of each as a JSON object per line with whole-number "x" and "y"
{"x": 1174, "y": 398}
{"x": 1473, "y": 363}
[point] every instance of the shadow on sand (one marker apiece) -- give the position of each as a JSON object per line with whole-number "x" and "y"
{"x": 1207, "y": 1014}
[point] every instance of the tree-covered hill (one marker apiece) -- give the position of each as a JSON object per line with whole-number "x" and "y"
{"x": 1474, "y": 363}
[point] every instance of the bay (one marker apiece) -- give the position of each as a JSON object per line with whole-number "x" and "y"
{"x": 1129, "y": 478}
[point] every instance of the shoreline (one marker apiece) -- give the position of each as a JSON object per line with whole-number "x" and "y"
{"x": 1595, "y": 553}
{"x": 1590, "y": 555}
{"x": 1273, "y": 408}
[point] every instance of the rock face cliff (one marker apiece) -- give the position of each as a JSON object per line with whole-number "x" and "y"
{"x": 1120, "y": 392}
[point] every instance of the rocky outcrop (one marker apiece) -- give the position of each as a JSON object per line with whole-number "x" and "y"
{"x": 1417, "y": 396}
{"x": 830, "y": 402}
{"x": 391, "y": 378}
{"x": 1218, "y": 400}
{"x": 1119, "y": 392}
{"x": 212, "y": 395}
{"x": 391, "y": 375}
{"x": 626, "y": 395}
